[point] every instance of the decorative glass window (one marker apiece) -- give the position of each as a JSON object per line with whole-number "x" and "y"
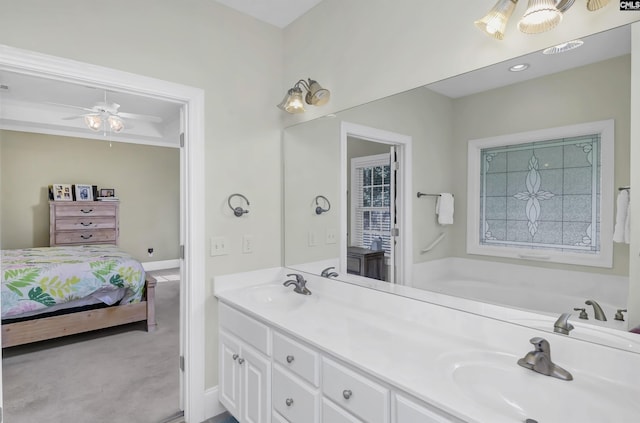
{"x": 545, "y": 195}
{"x": 371, "y": 200}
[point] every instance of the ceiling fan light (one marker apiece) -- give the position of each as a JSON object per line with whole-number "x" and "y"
{"x": 317, "y": 95}
{"x": 540, "y": 16}
{"x": 495, "y": 21}
{"x": 94, "y": 122}
{"x": 596, "y": 4}
{"x": 115, "y": 123}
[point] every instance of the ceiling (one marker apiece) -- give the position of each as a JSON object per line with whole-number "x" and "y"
{"x": 276, "y": 12}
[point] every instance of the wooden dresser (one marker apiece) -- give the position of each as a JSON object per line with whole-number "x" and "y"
{"x": 365, "y": 262}
{"x": 83, "y": 222}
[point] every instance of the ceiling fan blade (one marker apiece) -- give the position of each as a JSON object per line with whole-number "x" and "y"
{"x": 153, "y": 119}
{"x": 73, "y": 107}
{"x": 73, "y": 117}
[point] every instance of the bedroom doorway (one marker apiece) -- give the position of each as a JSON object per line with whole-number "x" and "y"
{"x": 191, "y": 261}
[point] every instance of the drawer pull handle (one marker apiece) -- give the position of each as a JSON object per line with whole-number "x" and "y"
{"x": 290, "y": 359}
{"x": 235, "y": 357}
{"x": 86, "y": 224}
{"x": 289, "y": 402}
{"x": 347, "y": 393}
{"x": 86, "y": 211}
{"x": 240, "y": 360}
{"x": 86, "y": 236}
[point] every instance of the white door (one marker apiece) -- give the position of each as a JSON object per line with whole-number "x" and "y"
{"x": 393, "y": 204}
{"x": 255, "y": 373}
{"x": 229, "y": 373}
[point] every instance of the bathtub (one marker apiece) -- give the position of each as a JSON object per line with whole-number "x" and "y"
{"x": 530, "y": 288}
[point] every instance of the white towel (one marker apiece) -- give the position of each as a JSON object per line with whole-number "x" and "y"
{"x": 444, "y": 208}
{"x": 627, "y": 224}
{"x": 622, "y": 217}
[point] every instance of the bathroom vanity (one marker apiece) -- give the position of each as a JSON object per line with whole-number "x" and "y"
{"x": 346, "y": 353}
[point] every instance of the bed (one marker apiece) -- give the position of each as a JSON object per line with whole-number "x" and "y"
{"x": 51, "y": 292}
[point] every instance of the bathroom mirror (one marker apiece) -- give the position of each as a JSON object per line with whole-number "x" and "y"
{"x": 591, "y": 83}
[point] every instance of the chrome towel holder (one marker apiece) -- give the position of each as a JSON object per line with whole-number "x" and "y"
{"x": 238, "y": 211}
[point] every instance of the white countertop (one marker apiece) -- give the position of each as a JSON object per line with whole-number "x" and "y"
{"x": 417, "y": 347}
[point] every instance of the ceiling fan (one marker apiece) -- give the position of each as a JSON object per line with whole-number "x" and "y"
{"x": 104, "y": 115}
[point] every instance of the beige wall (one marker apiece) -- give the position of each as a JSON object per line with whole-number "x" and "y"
{"x": 235, "y": 59}
{"x": 146, "y": 179}
{"x": 634, "y": 253}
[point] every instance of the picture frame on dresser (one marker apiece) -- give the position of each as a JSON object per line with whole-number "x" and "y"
{"x": 107, "y": 192}
{"x": 61, "y": 192}
{"x": 83, "y": 192}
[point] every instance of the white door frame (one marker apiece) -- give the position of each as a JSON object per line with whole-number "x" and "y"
{"x": 403, "y": 150}
{"x": 192, "y": 189}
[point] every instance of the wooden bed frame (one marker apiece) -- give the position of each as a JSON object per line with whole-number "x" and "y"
{"x": 40, "y": 329}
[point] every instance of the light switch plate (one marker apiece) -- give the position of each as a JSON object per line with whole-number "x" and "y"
{"x": 219, "y": 246}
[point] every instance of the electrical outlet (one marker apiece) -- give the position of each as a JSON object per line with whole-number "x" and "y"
{"x": 219, "y": 246}
{"x": 247, "y": 244}
{"x": 313, "y": 238}
{"x": 330, "y": 236}
{"x": 150, "y": 252}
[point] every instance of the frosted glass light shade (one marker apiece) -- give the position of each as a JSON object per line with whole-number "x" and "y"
{"x": 494, "y": 23}
{"x": 293, "y": 102}
{"x": 115, "y": 123}
{"x": 94, "y": 122}
{"x": 596, "y": 4}
{"x": 541, "y": 16}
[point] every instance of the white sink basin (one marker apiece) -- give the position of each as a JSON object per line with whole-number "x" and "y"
{"x": 278, "y": 296}
{"x": 496, "y": 382}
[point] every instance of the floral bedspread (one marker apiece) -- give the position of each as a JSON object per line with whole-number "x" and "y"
{"x": 38, "y": 278}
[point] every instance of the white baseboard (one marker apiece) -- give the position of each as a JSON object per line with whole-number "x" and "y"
{"x": 160, "y": 265}
{"x": 212, "y": 406}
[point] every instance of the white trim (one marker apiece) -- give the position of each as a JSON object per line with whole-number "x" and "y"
{"x": 213, "y": 407}
{"x": 150, "y": 266}
{"x": 45, "y": 66}
{"x": 404, "y": 151}
{"x": 605, "y": 258}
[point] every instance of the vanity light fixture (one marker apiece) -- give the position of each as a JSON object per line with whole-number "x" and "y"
{"x": 561, "y": 48}
{"x": 540, "y": 16}
{"x": 315, "y": 95}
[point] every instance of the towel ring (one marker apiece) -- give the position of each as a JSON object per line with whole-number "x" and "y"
{"x": 238, "y": 211}
{"x": 319, "y": 209}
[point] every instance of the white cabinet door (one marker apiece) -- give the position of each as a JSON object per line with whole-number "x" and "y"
{"x": 255, "y": 371}
{"x": 229, "y": 373}
{"x": 408, "y": 411}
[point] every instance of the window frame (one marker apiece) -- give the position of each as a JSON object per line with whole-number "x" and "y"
{"x": 604, "y": 258}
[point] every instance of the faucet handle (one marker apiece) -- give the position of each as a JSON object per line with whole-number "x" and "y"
{"x": 583, "y": 313}
{"x": 619, "y": 315}
{"x": 541, "y": 344}
{"x": 299, "y": 277}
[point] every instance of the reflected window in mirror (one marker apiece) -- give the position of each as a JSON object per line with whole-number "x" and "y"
{"x": 371, "y": 200}
{"x": 544, "y": 195}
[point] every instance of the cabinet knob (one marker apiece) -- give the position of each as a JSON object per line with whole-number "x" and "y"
{"x": 86, "y": 211}
{"x": 86, "y": 236}
{"x": 240, "y": 360}
{"x": 347, "y": 393}
{"x": 289, "y": 402}
{"x": 235, "y": 357}
{"x": 290, "y": 359}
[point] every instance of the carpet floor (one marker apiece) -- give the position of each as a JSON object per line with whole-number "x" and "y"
{"x": 116, "y": 374}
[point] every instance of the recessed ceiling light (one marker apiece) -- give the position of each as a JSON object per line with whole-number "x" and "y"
{"x": 519, "y": 68}
{"x": 561, "y": 48}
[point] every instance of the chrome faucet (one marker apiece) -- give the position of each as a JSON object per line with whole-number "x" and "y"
{"x": 562, "y": 325}
{"x": 327, "y": 274}
{"x": 299, "y": 282}
{"x": 597, "y": 310}
{"x": 539, "y": 360}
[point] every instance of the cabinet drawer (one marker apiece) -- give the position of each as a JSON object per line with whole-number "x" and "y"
{"x": 409, "y": 411}
{"x": 361, "y": 396}
{"x": 297, "y": 358}
{"x": 78, "y": 223}
{"x": 244, "y": 327}
{"x": 85, "y": 237}
{"x": 331, "y": 413}
{"x": 294, "y": 399}
{"x": 75, "y": 210}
